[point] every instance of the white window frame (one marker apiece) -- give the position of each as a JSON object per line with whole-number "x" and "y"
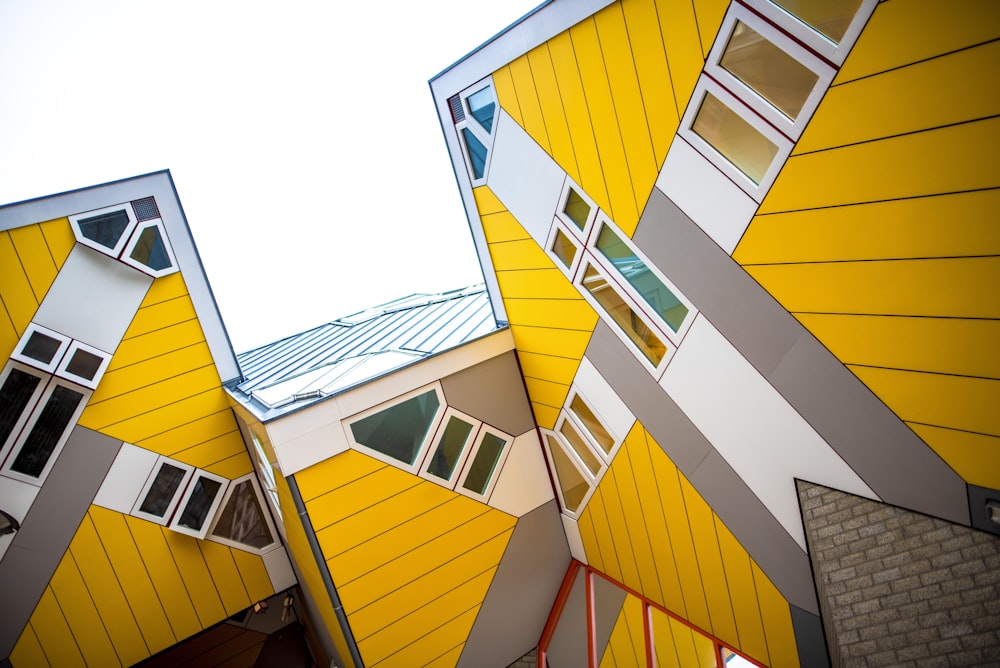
{"x": 574, "y": 267}
{"x": 471, "y": 457}
{"x": 835, "y": 52}
{"x": 174, "y": 501}
{"x": 50, "y": 367}
{"x": 575, "y": 461}
{"x": 485, "y": 138}
{"x": 29, "y": 407}
{"x": 568, "y": 411}
{"x": 824, "y": 73}
{"x": 595, "y": 450}
{"x": 115, "y": 252}
{"x": 34, "y": 412}
{"x": 561, "y": 215}
{"x": 255, "y": 486}
{"x": 466, "y": 447}
{"x": 212, "y": 509}
{"x": 266, "y": 471}
{"x": 134, "y": 239}
{"x": 421, "y": 450}
{"x": 92, "y": 383}
{"x": 713, "y": 155}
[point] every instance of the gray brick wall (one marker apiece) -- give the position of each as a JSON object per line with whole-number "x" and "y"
{"x": 529, "y": 660}
{"x": 898, "y": 588}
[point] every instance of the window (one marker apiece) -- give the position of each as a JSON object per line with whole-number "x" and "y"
{"x": 398, "y": 433}
{"x": 41, "y": 348}
{"x": 485, "y": 459}
{"x": 574, "y": 486}
{"x": 162, "y": 492}
{"x": 474, "y": 112}
{"x": 242, "y": 521}
{"x": 199, "y": 503}
{"x": 449, "y": 451}
{"x": 578, "y": 407}
{"x": 131, "y": 232}
{"x": 266, "y": 471}
{"x": 828, "y": 27}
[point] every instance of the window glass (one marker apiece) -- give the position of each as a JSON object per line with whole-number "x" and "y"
{"x": 623, "y": 315}
{"x": 564, "y": 249}
{"x": 41, "y": 347}
{"x": 163, "y": 490}
{"x": 750, "y": 151}
{"x": 449, "y": 448}
{"x": 580, "y": 447}
{"x": 242, "y": 519}
{"x": 828, "y": 17}
{"x": 47, "y": 431}
{"x": 593, "y": 425}
{"x": 199, "y": 503}
{"x": 15, "y": 394}
{"x": 639, "y": 276}
{"x": 84, "y": 364}
{"x": 477, "y": 153}
{"x": 400, "y": 430}
{"x": 106, "y": 228}
{"x": 481, "y": 469}
{"x": 576, "y": 209}
{"x": 150, "y": 249}
{"x": 571, "y": 482}
{"x": 482, "y": 108}
{"x": 773, "y": 74}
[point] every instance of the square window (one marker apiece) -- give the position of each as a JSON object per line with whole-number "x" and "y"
{"x": 734, "y": 138}
{"x": 199, "y": 503}
{"x": 84, "y": 364}
{"x": 564, "y": 249}
{"x": 586, "y": 417}
{"x": 41, "y": 347}
{"x": 576, "y": 210}
{"x": 163, "y": 489}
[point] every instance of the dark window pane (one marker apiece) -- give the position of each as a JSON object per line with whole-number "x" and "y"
{"x": 449, "y": 448}
{"x": 106, "y": 229}
{"x": 162, "y": 492}
{"x": 477, "y": 153}
{"x": 14, "y": 397}
{"x": 150, "y": 250}
{"x": 485, "y": 461}
{"x": 482, "y": 107}
{"x": 45, "y": 434}
{"x": 400, "y": 430}
{"x": 84, "y": 364}
{"x": 41, "y": 347}
{"x": 242, "y": 518}
{"x": 199, "y": 503}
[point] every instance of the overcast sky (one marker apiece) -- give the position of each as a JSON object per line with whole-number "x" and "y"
{"x": 301, "y": 136}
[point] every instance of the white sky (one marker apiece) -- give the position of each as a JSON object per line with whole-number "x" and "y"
{"x": 301, "y": 136}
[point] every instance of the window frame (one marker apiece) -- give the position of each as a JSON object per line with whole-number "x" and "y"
{"x": 574, "y": 267}
{"x": 835, "y": 52}
{"x": 174, "y": 501}
{"x": 74, "y": 221}
{"x": 266, "y": 471}
{"x": 186, "y": 498}
{"x": 125, "y": 255}
{"x": 567, "y": 409}
{"x": 469, "y": 122}
{"x": 588, "y": 225}
{"x": 29, "y": 407}
{"x": 574, "y": 460}
{"x": 792, "y": 129}
{"x": 91, "y": 383}
{"x": 49, "y": 367}
{"x": 272, "y": 530}
{"x": 471, "y": 457}
{"x": 466, "y": 449}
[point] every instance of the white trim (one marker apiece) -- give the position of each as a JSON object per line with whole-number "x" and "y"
{"x": 584, "y": 434}
{"x": 568, "y": 411}
{"x": 580, "y": 233}
{"x": 436, "y": 440}
{"x": 74, "y": 221}
{"x": 29, "y": 406}
{"x": 570, "y": 271}
{"x": 49, "y": 367}
{"x": 126, "y": 254}
{"x": 815, "y": 40}
{"x": 212, "y": 509}
{"x": 471, "y": 124}
{"x": 174, "y": 500}
{"x": 470, "y": 459}
{"x": 86, "y": 382}
{"x": 549, "y": 436}
{"x": 262, "y": 504}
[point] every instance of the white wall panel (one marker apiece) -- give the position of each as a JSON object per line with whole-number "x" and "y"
{"x": 16, "y": 498}
{"x": 524, "y": 481}
{"x": 279, "y": 569}
{"x": 125, "y": 479}
{"x": 310, "y": 448}
{"x": 716, "y": 204}
{"x": 605, "y": 401}
{"x": 525, "y": 178}
{"x": 574, "y": 539}
{"x": 752, "y": 426}
{"x": 93, "y": 299}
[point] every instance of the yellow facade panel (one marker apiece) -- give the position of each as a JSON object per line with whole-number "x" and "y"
{"x": 575, "y": 314}
{"x": 365, "y": 492}
{"x": 618, "y": 525}
{"x": 563, "y": 53}
{"x": 166, "y": 579}
{"x": 654, "y": 75}
{"x": 123, "y": 379}
{"x": 679, "y": 29}
{"x": 16, "y": 294}
{"x": 36, "y": 259}
{"x": 408, "y": 630}
{"x": 906, "y": 228}
{"x": 545, "y": 416}
{"x": 59, "y": 238}
{"x": 553, "y": 111}
{"x": 143, "y": 346}
{"x": 335, "y": 472}
{"x": 663, "y": 642}
{"x": 604, "y": 120}
{"x": 151, "y": 317}
{"x": 777, "y": 620}
{"x": 8, "y": 335}
{"x": 624, "y": 470}
{"x": 546, "y": 392}
{"x": 626, "y": 645}
{"x": 588, "y": 536}
{"x": 501, "y": 226}
{"x": 973, "y": 456}
{"x": 868, "y": 108}
{"x": 28, "y": 651}
{"x": 212, "y": 451}
{"x": 955, "y": 346}
{"x": 137, "y": 429}
{"x": 254, "y": 575}
{"x": 233, "y": 466}
{"x": 225, "y": 575}
{"x": 565, "y": 346}
{"x": 54, "y": 633}
{"x": 709, "y": 14}
{"x": 901, "y": 33}
{"x": 743, "y": 594}
{"x": 604, "y": 542}
{"x": 198, "y": 430}
{"x": 519, "y": 254}
{"x": 449, "y": 659}
{"x": 536, "y": 284}
{"x": 943, "y": 160}
{"x": 955, "y": 402}
{"x": 946, "y": 287}
{"x": 83, "y": 619}
{"x": 527, "y": 99}
{"x": 130, "y": 570}
{"x": 506, "y": 95}
{"x": 197, "y": 578}
{"x": 451, "y": 635}
{"x": 487, "y": 202}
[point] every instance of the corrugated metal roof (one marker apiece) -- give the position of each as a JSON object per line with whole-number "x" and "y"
{"x": 305, "y": 367}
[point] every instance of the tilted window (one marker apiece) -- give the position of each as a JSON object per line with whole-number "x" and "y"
{"x": 199, "y": 503}
{"x": 163, "y": 490}
{"x": 131, "y": 232}
{"x": 474, "y": 112}
{"x": 400, "y": 431}
{"x": 242, "y": 520}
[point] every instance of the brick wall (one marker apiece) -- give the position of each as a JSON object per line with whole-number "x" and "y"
{"x": 898, "y": 588}
{"x": 529, "y": 660}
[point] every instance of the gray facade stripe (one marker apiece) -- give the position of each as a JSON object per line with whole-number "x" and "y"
{"x": 873, "y": 441}
{"x": 49, "y": 526}
{"x": 809, "y": 639}
{"x": 492, "y": 391}
{"x": 777, "y": 553}
{"x": 522, "y": 591}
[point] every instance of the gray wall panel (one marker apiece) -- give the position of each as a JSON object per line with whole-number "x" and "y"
{"x": 568, "y": 646}
{"x": 856, "y": 424}
{"x": 492, "y": 391}
{"x": 49, "y": 527}
{"x": 524, "y": 587}
{"x": 809, "y": 639}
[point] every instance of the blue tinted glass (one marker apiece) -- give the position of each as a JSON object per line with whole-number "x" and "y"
{"x": 105, "y": 229}
{"x": 150, "y": 250}
{"x": 481, "y": 106}
{"x": 641, "y": 278}
{"x": 477, "y": 153}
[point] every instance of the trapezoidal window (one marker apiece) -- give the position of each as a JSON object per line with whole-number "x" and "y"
{"x": 474, "y": 112}
{"x": 242, "y": 521}
{"x": 106, "y": 230}
{"x": 449, "y": 452}
{"x": 573, "y": 484}
{"x": 162, "y": 491}
{"x": 398, "y": 432}
{"x": 485, "y": 460}
{"x": 148, "y": 250}
{"x": 131, "y": 232}
{"x": 199, "y": 503}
